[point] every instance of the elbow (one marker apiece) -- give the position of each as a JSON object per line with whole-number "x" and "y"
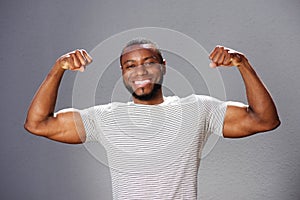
{"x": 276, "y": 123}
{"x": 28, "y": 127}
{"x": 31, "y": 127}
{"x": 271, "y": 124}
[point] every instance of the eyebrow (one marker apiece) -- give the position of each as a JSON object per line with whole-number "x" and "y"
{"x": 147, "y": 58}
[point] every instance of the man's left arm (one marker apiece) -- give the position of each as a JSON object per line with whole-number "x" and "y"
{"x": 260, "y": 114}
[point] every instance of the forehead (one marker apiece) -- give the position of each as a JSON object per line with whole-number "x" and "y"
{"x": 138, "y": 47}
{"x": 138, "y": 51}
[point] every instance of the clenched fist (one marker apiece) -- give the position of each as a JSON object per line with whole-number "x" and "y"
{"x": 222, "y": 56}
{"x": 76, "y": 60}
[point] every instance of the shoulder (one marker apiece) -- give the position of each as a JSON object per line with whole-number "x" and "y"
{"x": 189, "y": 99}
{"x": 206, "y": 98}
{"x": 199, "y": 98}
{"x": 206, "y": 102}
{"x": 95, "y": 110}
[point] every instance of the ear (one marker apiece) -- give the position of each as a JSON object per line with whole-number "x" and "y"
{"x": 164, "y": 63}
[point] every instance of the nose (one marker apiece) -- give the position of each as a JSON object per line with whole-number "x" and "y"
{"x": 141, "y": 70}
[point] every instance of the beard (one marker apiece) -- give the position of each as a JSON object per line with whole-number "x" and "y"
{"x": 148, "y": 96}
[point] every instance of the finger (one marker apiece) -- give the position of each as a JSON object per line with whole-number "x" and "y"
{"x": 81, "y": 69}
{"x": 76, "y": 62}
{"x": 87, "y": 56}
{"x": 222, "y": 57}
{"x": 217, "y": 56}
{"x": 227, "y": 59}
{"x": 213, "y": 65}
{"x": 212, "y": 57}
{"x": 80, "y": 57}
{"x": 214, "y": 52}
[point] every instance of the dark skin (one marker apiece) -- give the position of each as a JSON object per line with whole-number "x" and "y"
{"x": 260, "y": 115}
{"x": 65, "y": 127}
{"x": 240, "y": 120}
{"x": 135, "y": 69}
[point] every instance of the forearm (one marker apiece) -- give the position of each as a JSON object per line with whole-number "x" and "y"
{"x": 260, "y": 114}
{"x": 65, "y": 127}
{"x": 43, "y": 104}
{"x": 261, "y": 104}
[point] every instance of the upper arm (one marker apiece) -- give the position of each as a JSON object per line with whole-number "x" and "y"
{"x": 71, "y": 128}
{"x": 66, "y": 127}
{"x": 241, "y": 121}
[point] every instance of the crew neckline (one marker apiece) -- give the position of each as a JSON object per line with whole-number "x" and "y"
{"x": 167, "y": 100}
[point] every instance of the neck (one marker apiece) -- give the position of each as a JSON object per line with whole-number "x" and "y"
{"x": 156, "y": 99}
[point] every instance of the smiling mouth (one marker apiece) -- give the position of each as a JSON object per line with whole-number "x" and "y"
{"x": 141, "y": 83}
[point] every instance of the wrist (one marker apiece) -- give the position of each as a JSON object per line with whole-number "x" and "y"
{"x": 243, "y": 61}
{"x": 56, "y": 70}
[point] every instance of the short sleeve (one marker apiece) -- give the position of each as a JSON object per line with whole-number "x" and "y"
{"x": 89, "y": 119}
{"x": 215, "y": 111}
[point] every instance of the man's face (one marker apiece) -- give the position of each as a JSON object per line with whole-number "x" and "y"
{"x": 142, "y": 71}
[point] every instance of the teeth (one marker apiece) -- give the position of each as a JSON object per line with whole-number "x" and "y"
{"x": 142, "y": 82}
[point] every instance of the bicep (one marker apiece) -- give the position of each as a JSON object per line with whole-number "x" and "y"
{"x": 239, "y": 121}
{"x": 66, "y": 127}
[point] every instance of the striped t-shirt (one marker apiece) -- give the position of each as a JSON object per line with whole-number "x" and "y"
{"x": 154, "y": 151}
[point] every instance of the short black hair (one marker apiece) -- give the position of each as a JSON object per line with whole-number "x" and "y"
{"x": 138, "y": 41}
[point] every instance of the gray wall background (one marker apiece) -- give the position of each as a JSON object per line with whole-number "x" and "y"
{"x": 35, "y": 33}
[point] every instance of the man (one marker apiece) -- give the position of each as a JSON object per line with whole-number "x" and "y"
{"x": 153, "y": 143}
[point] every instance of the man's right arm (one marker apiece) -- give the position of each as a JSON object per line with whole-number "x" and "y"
{"x": 65, "y": 127}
